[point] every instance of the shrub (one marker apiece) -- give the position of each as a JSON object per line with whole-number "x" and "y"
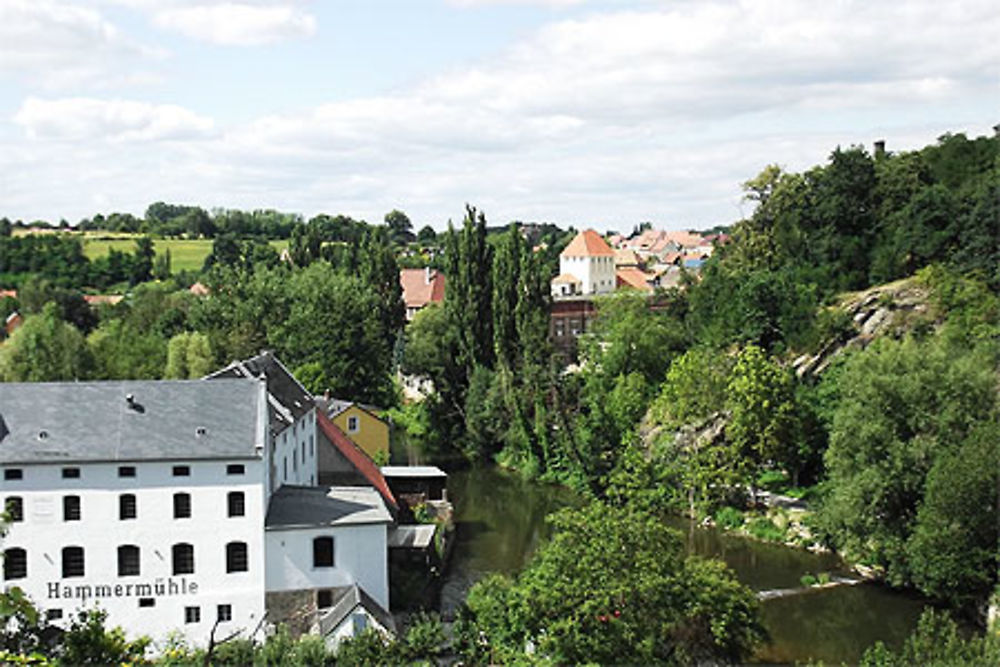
{"x": 764, "y": 529}
{"x": 807, "y": 580}
{"x": 729, "y": 518}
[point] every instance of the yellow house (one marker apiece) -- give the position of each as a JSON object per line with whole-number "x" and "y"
{"x": 362, "y": 426}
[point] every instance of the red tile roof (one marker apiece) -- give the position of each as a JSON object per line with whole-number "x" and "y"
{"x": 634, "y": 278}
{"x": 587, "y": 243}
{"x": 421, "y": 286}
{"x": 357, "y": 457}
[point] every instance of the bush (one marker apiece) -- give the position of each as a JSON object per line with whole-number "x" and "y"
{"x": 729, "y": 518}
{"x": 807, "y": 580}
{"x": 764, "y": 529}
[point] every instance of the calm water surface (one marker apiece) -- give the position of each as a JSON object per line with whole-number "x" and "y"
{"x": 501, "y": 521}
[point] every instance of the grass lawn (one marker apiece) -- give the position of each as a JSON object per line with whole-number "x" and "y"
{"x": 185, "y": 254}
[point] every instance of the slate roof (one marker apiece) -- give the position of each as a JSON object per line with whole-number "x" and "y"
{"x": 310, "y": 506}
{"x": 413, "y": 471}
{"x": 49, "y": 422}
{"x": 347, "y": 600}
{"x": 587, "y": 243}
{"x": 332, "y": 407}
{"x": 287, "y": 399}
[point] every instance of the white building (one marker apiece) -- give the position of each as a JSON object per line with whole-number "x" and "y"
{"x": 586, "y": 267}
{"x": 171, "y": 505}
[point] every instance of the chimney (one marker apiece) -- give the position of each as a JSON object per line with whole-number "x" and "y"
{"x": 880, "y": 148}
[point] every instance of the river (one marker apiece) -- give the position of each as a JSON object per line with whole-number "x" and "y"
{"x": 501, "y": 521}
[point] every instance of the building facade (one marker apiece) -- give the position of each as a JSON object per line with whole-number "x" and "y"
{"x": 184, "y": 506}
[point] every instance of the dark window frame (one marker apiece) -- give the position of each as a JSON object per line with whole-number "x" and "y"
{"x": 15, "y": 564}
{"x": 224, "y": 612}
{"x": 235, "y": 469}
{"x": 236, "y": 504}
{"x": 324, "y": 551}
{"x": 71, "y": 473}
{"x": 128, "y": 560}
{"x": 126, "y": 471}
{"x": 10, "y": 474}
{"x": 192, "y": 615}
{"x": 237, "y": 557}
{"x": 128, "y": 507}
{"x": 74, "y": 562}
{"x": 182, "y": 505}
{"x": 14, "y": 507}
{"x": 72, "y": 508}
{"x": 182, "y": 558}
{"x": 181, "y": 471}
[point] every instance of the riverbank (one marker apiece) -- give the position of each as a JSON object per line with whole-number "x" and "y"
{"x": 501, "y": 521}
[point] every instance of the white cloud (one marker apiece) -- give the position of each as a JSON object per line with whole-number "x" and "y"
{"x": 604, "y": 120}
{"x": 58, "y": 45}
{"x": 238, "y": 24}
{"x": 88, "y": 119}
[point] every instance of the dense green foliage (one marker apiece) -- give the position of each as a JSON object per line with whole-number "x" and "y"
{"x": 612, "y": 587}
{"x": 937, "y": 641}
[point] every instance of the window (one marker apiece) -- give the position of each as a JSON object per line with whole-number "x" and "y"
{"x": 13, "y": 473}
{"x": 71, "y": 508}
{"x": 182, "y": 505}
{"x": 284, "y": 466}
{"x": 323, "y": 552}
{"x": 183, "y": 558}
{"x": 72, "y": 562}
{"x": 236, "y": 557}
{"x": 71, "y": 473}
{"x": 15, "y": 508}
{"x": 353, "y": 425}
{"x": 324, "y": 599}
{"x": 225, "y": 612}
{"x": 53, "y": 614}
{"x": 235, "y": 504}
{"x": 128, "y": 560}
{"x": 182, "y": 471}
{"x": 147, "y": 602}
{"x": 126, "y": 471}
{"x": 126, "y": 506}
{"x": 235, "y": 469}
{"x": 303, "y": 451}
{"x": 15, "y": 564}
{"x": 192, "y": 614}
{"x": 312, "y": 449}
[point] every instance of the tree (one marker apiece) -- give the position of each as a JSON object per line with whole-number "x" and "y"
{"x": 189, "y": 356}
{"x": 399, "y": 227}
{"x": 763, "y": 422}
{"x": 123, "y": 351}
{"x": 44, "y": 349}
{"x": 333, "y": 320}
{"x": 937, "y": 641}
{"x": 613, "y": 586}
{"x": 427, "y": 235}
{"x": 142, "y": 265}
{"x": 904, "y": 410}
{"x": 88, "y": 642}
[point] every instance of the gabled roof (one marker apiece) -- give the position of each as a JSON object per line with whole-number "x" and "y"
{"x": 421, "y": 286}
{"x": 66, "y": 422}
{"x": 287, "y": 399}
{"x": 356, "y": 456}
{"x": 347, "y": 600}
{"x": 5, "y": 293}
{"x": 626, "y": 257}
{"x": 587, "y": 243}
{"x": 633, "y": 278}
{"x": 99, "y": 299}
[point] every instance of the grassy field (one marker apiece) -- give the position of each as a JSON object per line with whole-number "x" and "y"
{"x": 185, "y": 254}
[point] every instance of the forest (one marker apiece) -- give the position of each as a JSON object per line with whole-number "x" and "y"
{"x": 690, "y": 401}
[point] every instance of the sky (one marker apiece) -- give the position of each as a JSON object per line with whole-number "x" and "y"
{"x": 602, "y": 113}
